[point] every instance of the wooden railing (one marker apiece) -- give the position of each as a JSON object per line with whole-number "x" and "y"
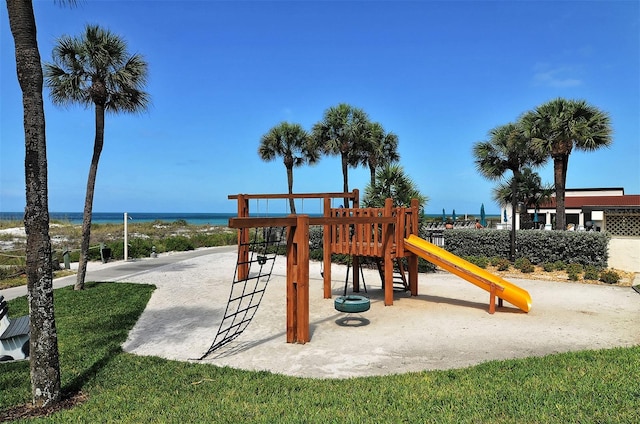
{"x": 367, "y": 231}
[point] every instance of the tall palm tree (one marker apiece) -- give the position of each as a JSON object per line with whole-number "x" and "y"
{"x": 95, "y": 69}
{"x": 559, "y": 126}
{"x": 379, "y": 148}
{"x": 507, "y": 149}
{"x": 392, "y": 182}
{"x": 342, "y": 131}
{"x": 43, "y": 341}
{"x": 293, "y": 144}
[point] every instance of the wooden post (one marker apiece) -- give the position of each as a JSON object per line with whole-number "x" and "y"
{"x": 326, "y": 250}
{"x": 413, "y": 258}
{"x": 387, "y": 242}
{"x": 243, "y": 239}
{"x": 298, "y": 281}
{"x": 355, "y": 262}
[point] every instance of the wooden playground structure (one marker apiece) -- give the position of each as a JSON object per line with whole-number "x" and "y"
{"x": 359, "y": 232}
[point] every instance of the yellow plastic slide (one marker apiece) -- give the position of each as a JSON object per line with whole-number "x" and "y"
{"x": 513, "y": 294}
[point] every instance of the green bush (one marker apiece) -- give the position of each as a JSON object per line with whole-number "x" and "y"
{"x": 573, "y": 271}
{"x": 217, "y": 239}
{"x": 548, "y": 267}
{"x": 503, "y": 264}
{"x": 479, "y": 261}
{"x": 178, "y": 244}
{"x": 559, "y": 266}
{"x": 524, "y": 265}
{"x": 315, "y": 237}
{"x": 609, "y": 276}
{"x": 591, "y": 273}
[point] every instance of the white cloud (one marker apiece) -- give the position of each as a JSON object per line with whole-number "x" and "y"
{"x": 556, "y": 77}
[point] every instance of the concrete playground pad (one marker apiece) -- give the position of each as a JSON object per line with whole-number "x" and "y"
{"x": 446, "y": 326}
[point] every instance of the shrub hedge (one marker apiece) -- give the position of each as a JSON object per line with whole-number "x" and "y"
{"x": 583, "y": 247}
{"x": 539, "y": 247}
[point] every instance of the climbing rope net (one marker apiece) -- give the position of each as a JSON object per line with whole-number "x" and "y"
{"x": 247, "y": 293}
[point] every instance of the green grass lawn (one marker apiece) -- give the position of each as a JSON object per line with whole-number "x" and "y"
{"x": 589, "y": 386}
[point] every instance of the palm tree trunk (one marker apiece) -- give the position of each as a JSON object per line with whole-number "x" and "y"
{"x": 43, "y": 345}
{"x": 372, "y": 171}
{"x": 345, "y": 178}
{"x": 560, "y": 177}
{"x": 88, "y": 202}
{"x": 292, "y": 203}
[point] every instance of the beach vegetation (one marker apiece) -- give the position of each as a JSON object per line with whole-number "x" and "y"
{"x": 558, "y": 127}
{"x": 294, "y": 145}
{"x": 96, "y": 70}
{"x": 104, "y": 384}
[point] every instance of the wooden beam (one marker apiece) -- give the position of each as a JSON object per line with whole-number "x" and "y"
{"x": 298, "y": 281}
{"x": 254, "y": 222}
{"x": 353, "y": 195}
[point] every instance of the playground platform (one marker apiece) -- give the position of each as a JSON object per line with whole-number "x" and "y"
{"x": 446, "y": 326}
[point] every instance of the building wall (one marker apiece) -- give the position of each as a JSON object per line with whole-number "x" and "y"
{"x": 624, "y": 253}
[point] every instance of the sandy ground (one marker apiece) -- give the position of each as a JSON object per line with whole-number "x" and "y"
{"x": 446, "y": 326}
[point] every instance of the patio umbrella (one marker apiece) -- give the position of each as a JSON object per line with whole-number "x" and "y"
{"x": 535, "y": 216}
{"x": 444, "y": 216}
{"x": 483, "y": 218}
{"x": 505, "y": 215}
{"x": 453, "y": 216}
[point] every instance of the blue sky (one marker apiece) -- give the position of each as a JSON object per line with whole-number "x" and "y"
{"x": 438, "y": 74}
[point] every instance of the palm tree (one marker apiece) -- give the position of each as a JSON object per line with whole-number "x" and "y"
{"x": 531, "y": 192}
{"x": 96, "y": 69}
{"x": 379, "y": 148}
{"x": 342, "y": 131}
{"x": 507, "y": 149}
{"x": 559, "y": 126}
{"x": 392, "y": 182}
{"x": 43, "y": 341}
{"x": 293, "y": 144}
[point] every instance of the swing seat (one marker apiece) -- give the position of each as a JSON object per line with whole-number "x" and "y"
{"x": 352, "y": 303}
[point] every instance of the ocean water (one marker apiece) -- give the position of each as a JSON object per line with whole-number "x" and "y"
{"x": 216, "y": 218}
{"x": 118, "y": 217}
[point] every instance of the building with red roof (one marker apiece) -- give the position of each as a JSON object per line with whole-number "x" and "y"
{"x": 599, "y": 209}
